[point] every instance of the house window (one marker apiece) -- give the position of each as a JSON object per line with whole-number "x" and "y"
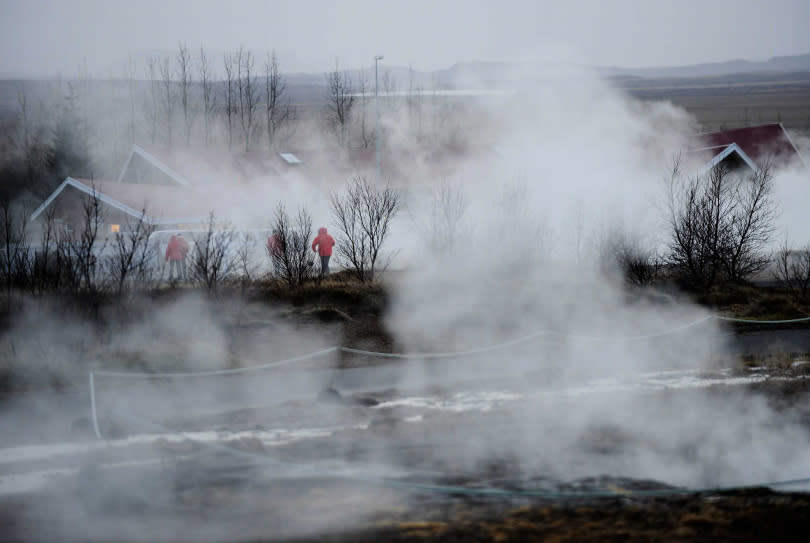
{"x": 115, "y": 228}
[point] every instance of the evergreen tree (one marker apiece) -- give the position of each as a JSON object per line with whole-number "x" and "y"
{"x": 70, "y": 151}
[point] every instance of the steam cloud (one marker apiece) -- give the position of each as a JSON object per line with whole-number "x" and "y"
{"x": 574, "y": 162}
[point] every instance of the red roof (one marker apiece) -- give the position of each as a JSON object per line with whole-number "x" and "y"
{"x": 758, "y": 142}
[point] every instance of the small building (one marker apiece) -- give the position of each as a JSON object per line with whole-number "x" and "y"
{"x": 177, "y": 190}
{"x": 122, "y": 204}
{"x": 751, "y": 147}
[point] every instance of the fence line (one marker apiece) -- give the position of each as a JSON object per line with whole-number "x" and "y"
{"x": 173, "y": 375}
{"x": 753, "y": 321}
{"x": 448, "y": 354}
{"x": 406, "y": 356}
{"x": 448, "y": 489}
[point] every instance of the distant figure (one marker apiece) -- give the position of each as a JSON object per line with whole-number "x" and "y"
{"x": 275, "y": 248}
{"x": 176, "y": 253}
{"x": 323, "y": 245}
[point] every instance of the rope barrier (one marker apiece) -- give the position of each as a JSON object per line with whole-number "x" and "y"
{"x": 449, "y": 489}
{"x": 753, "y": 321}
{"x": 406, "y": 356}
{"x": 171, "y": 375}
{"x": 437, "y": 355}
{"x": 452, "y": 354}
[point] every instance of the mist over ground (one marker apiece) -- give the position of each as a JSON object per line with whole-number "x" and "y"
{"x": 507, "y": 246}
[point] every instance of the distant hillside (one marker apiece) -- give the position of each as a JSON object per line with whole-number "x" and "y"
{"x": 797, "y": 63}
{"x": 309, "y": 89}
{"x": 481, "y": 74}
{"x": 494, "y": 73}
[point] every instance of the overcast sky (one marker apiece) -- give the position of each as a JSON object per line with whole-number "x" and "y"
{"x": 57, "y": 36}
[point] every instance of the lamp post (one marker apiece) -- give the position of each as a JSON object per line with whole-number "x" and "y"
{"x": 377, "y": 107}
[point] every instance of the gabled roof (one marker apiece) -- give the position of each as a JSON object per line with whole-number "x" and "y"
{"x": 756, "y": 143}
{"x": 87, "y": 187}
{"x": 162, "y": 203}
{"x": 732, "y": 149}
{"x": 160, "y": 164}
{"x": 205, "y": 167}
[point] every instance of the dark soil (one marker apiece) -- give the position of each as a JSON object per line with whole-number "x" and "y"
{"x": 223, "y": 507}
{"x": 758, "y": 515}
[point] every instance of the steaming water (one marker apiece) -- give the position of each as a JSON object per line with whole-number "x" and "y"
{"x": 21, "y": 467}
{"x": 12, "y": 458}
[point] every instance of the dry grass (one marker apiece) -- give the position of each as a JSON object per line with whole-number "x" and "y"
{"x": 753, "y": 302}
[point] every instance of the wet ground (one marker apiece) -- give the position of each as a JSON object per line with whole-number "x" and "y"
{"x": 371, "y": 454}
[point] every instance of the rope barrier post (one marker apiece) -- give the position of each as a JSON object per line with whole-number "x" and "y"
{"x": 93, "y": 406}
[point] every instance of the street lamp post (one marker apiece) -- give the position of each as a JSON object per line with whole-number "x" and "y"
{"x": 377, "y": 107}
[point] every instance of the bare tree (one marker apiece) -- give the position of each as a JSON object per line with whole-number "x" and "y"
{"x": 696, "y": 216}
{"x": 248, "y": 94}
{"x": 209, "y": 260}
{"x": 292, "y": 256}
{"x": 245, "y": 265}
{"x": 131, "y": 71}
{"x": 752, "y": 225}
{"x": 209, "y": 98}
{"x": 513, "y": 212}
{"x": 363, "y": 216}
{"x": 24, "y": 117}
{"x": 366, "y": 135}
{"x": 167, "y": 83}
{"x": 66, "y": 262}
{"x": 230, "y": 95}
{"x": 153, "y": 98}
{"x": 85, "y": 99}
{"x": 389, "y": 89}
{"x": 89, "y": 245}
{"x": 414, "y": 102}
{"x": 793, "y": 269}
{"x": 15, "y": 255}
{"x": 340, "y": 99}
{"x": 45, "y": 275}
{"x": 277, "y": 111}
{"x": 32, "y": 139}
{"x": 185, "y": 73}
{"x": 445, "y": 212}
{"x": 720, "y": 223}
{"x": 132, "y": 255}
{"x": 442, "y": 118}
{"x": 448, "y": 208}
{"x": 625, "y": 254}
{"x": 77, "y": 252}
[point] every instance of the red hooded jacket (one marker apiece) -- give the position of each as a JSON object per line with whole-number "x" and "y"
{"x": 274, "y": 245}
{"x": 177, "y": 248}
{"x": 324, "y": 243}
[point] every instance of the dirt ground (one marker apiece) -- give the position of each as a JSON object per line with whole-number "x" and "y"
{"x": 203, "y": 495}
{"x": 751, "y": 515}
{"x": 191, "y": 494}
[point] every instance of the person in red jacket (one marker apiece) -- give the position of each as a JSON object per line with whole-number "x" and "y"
{"x": 176, "y": 253}
{"x": 275, "y": 248}
{"x": 323, "y": 244}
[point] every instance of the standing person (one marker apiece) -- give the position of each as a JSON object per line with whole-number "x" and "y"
{"x": 323, "y": 244}
{"x": 275, "y": 248}
{"x": 174, "y": 256}
{"x": 183, "y": 254}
